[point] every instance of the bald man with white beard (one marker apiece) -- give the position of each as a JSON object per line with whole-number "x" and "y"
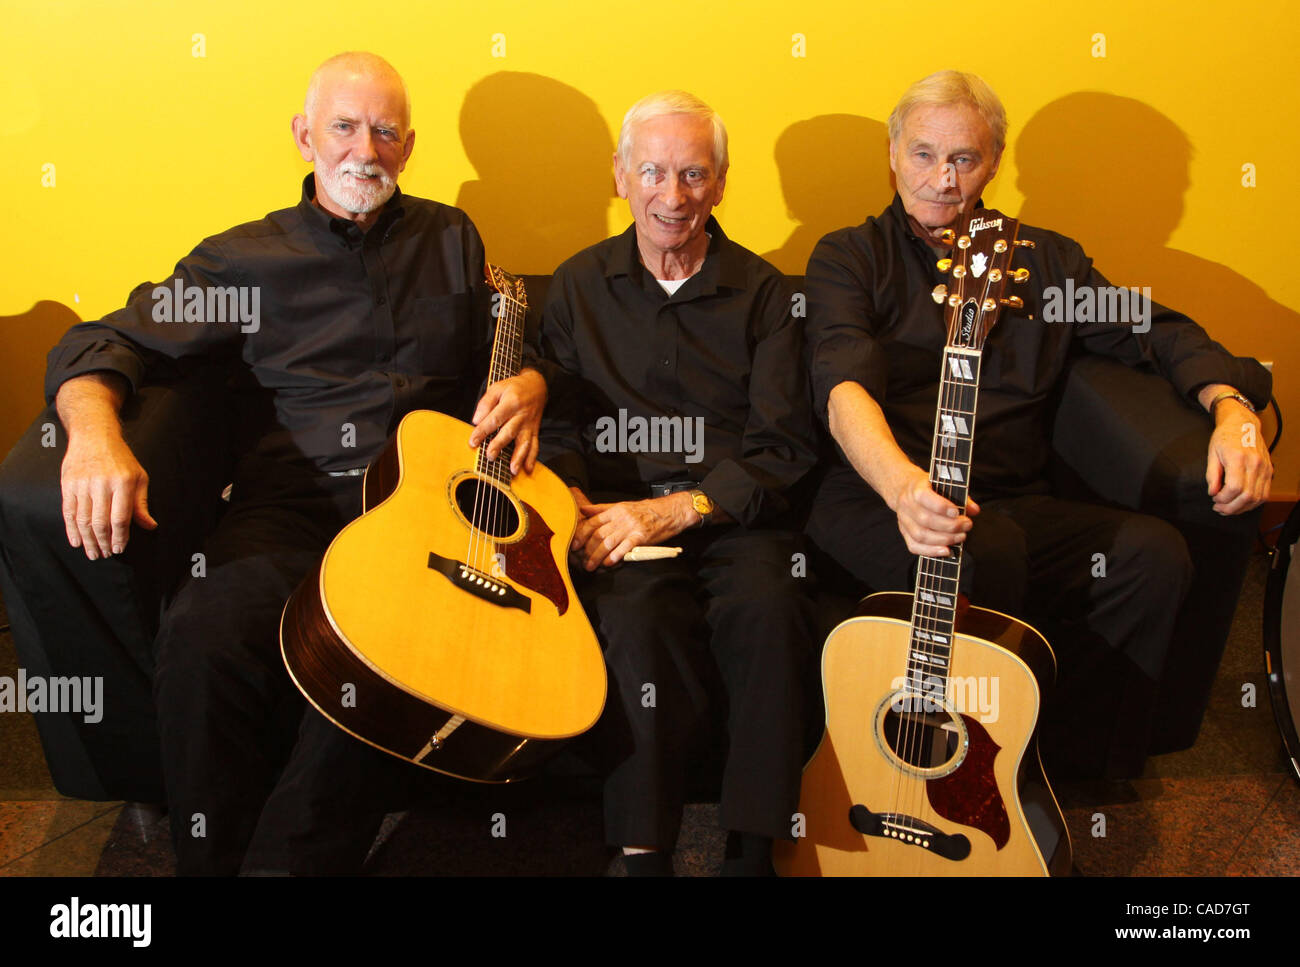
{"x": 371, "y": 303}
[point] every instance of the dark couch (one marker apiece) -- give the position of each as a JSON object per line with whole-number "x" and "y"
{"x": 1121, "y": 436}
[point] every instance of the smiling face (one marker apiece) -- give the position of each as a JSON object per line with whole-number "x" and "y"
{"x": 672, "y": 184}
{"x": 943, "y": 159}
{"x": 357, "y": 138}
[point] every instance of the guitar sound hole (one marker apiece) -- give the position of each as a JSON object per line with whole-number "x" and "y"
{"x": 486, "y": 507}
{"x": 922, "y": 738}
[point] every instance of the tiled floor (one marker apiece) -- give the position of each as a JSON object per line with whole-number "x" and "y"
{"x": 1226, "y": 806}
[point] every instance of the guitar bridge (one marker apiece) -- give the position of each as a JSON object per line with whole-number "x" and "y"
{"x": 483, "y": 586}
{"x": 909, "y": 829}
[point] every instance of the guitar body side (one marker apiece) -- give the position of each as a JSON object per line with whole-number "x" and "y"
{"x": 393, "y": 651}
{"x": 982, "y": 799}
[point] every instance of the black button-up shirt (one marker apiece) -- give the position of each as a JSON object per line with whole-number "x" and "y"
{"x": 871, "y": 320}
{"x": 353, "y": 329}
{"x": 723, "y": 350}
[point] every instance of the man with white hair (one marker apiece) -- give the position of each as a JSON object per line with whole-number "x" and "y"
{"x": 685, "y": 421}
{"x": 369, "y": 303}
{"x": 876, "y": 341}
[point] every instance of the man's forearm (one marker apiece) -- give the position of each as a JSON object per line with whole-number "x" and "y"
{"x": 90, "y": 403}
{"x": 858, "y": 425}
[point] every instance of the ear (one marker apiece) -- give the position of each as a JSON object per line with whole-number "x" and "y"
{"x": 893, "y": 166}
{"x": 620, "y": 177}
{"x": 721, "y": 187}
{"x": 302, "y": 137}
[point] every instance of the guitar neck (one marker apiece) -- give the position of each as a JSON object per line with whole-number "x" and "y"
{"x": 934, "y": 601}
{"x": 507, "y": 356}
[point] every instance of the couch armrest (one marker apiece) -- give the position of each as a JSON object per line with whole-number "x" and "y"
{"x": 1131, "y": 439}
{"x": 75, "y": 617}
{"x": 1126, "y": 437}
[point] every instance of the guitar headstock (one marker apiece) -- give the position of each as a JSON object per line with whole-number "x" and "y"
{"x": 982, "y": 246}
{"x": 510, "y": 286}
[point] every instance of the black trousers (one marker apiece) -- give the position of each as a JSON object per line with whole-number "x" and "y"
{"x": 732, "y": 609}
{"x": 1103, "y": 585}
{"x": 245, "y": 759}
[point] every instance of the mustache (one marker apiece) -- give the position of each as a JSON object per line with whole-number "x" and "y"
{"x": 365, "y": 171}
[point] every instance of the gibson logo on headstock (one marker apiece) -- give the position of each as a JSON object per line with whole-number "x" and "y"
{"x": 981, "y": 223}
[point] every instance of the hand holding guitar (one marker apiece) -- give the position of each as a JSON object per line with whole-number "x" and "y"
{"x": 511, "y": 409}
{"x": 929, "y": 522}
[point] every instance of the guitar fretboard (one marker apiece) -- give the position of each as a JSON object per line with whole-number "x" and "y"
{"x": 507, "y": 355}
{"x": 934, "y": 603}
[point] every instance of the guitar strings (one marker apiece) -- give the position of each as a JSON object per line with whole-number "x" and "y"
{"x": 492, "y": 506}
{"x": 487, "y": 515}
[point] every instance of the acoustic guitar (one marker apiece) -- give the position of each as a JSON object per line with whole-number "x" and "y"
{"x": 929, "y": 762}
{"x": 442, "y": 625}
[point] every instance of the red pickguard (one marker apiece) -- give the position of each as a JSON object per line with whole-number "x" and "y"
{"x": 529, "y": 562}
{"x": 970, "y": 794}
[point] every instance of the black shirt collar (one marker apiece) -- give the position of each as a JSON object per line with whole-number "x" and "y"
{"x": 345, "y": 229}
{"x": 722, "y": 264}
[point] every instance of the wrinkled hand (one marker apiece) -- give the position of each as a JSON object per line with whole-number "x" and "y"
{"x": 1239, "y": 471}
{"x": 606, "y": 532}
{"x": 104, "y": 490}
{"x": 511, "y": 408}
{"x": 928, "y": 522}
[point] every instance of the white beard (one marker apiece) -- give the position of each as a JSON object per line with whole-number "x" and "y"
{"x": 353, "y": 195}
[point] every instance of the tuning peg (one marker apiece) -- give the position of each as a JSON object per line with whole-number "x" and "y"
{"x": 959, "y": 271}
{"x": 995, "y": 275}
{"x": 954, "y": 300}
{"x": 939, "y": 294}
{"x": 1019, "y": 275}
{"x": 944, "y": 264}
{"x": 947, "y": 236}
{"x": 1024, "y": 243}
{"x": 963, "y": 242}
{"x": 989, "y": 305}
{"x": 1013, "y": 301}
{"x": 1000, "y": 246}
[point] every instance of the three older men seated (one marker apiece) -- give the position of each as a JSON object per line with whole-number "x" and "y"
{"x": 671, "y": 326}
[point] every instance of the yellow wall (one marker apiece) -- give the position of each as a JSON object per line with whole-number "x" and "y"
{"x": 1139, "y": 154}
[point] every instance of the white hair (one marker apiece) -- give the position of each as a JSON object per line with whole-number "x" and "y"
{"x": 944, "y": 88}
{"x": 667, "y": 103}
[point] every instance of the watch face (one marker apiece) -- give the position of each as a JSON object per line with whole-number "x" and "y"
{"x": 702, "y": 504}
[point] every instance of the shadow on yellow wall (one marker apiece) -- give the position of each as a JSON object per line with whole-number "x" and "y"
{"x": 1111, "y": 172}
{"x": 834, "y": 173}
{"x": 543, "y": 154}
{"x": 25, "y": 339}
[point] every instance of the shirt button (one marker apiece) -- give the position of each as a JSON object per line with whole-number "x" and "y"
{"x": 663, "y": 362}
{"x": 381, "y": 301}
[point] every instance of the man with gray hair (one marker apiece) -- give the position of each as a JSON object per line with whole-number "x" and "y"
{"x": 372, "y": 303}
{"x": 876, "y": 343}
{"x": 673, "y": 324}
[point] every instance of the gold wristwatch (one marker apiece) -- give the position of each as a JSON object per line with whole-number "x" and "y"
{"x": 703, "y": 506}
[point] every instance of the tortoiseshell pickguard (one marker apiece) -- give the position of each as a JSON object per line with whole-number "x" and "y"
{"x": 970, "y": 795}
{"x": 529, "y": 561}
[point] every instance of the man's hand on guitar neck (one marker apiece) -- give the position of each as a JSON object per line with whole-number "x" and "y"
{"x": 512, "y": 409}
{"x": 928, "y": 522}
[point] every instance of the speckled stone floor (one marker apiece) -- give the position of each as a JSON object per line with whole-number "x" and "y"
{"x": 1227, "y": 806}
